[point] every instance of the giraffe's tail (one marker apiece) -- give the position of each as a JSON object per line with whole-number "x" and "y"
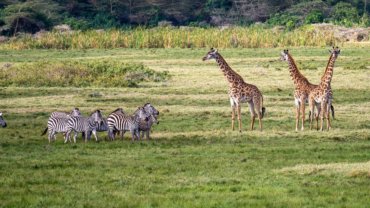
{"x": 263, "y": 109}
{"x": 332, "y": 111}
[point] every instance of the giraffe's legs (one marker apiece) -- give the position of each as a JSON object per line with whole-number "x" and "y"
{"x": 318, "y": 107}
{"x": 297, "y": 107}
{"x": 303, "y": 112}
{"x": 232, "y": 113}
{"x": 253, "y": 114}
{"x": 312, "y": 109}
{"x": 239, "y": 117}
{"x": 322, "y": 114}
{"x": 328, "y": 124}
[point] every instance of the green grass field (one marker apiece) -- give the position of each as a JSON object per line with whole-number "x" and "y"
{"x": 194, "y": 159}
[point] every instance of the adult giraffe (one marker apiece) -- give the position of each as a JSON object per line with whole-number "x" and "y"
{"x": 239, "y": 92}
{"x": 321, "y": 95}
{"x": 302, "y": 88}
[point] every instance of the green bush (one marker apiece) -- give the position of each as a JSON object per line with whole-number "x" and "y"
{"x": 315, "y": 16}
{"x": 79, "y": 74}
{"x": 345, "y": 14}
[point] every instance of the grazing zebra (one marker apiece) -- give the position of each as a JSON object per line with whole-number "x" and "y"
{"x": 145, "y": 126}
{"x": 57, "y": 123}
{"x": 2, "y": 121}
{"x": 84, "y": 124}
{"x": 121, "y": 122}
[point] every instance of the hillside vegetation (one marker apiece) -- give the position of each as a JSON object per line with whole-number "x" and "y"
{"x": 35, "y": 15}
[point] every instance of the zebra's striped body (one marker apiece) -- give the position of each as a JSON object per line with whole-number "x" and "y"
{"x": 115, "y": 113}
{"x": 145, "y": 126}
{"x": 57, "y": 123}
{"x": 2, "y": 121}
{"x": 83, "y": 124}
{"x": 74, "y": 112}
{"x": 121, "y": 122}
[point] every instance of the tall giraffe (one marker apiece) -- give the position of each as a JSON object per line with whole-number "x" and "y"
{"x": 322, "y": 93}
{"x": 239, "y": 92}
{"x": 302, "y": 89}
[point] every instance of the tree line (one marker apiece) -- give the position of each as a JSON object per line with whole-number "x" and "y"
{"x": 33, "y": 15}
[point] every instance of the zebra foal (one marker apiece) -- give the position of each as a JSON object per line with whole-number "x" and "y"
{"x": 87, "y": 125}
{"x": 2, "y": 121}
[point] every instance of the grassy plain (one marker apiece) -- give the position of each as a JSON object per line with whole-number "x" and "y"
{"x": 194, "y": 159}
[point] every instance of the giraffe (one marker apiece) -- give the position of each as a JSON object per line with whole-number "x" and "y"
{"x": 322, "y": 95}
{"x": 239, "y": 92}
{"x": 302, "y": 89}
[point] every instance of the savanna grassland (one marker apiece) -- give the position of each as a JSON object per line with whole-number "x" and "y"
{"x": 194, "y": 159}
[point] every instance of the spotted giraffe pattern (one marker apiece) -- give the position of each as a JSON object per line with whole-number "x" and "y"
{"x": 302, "y": 89}
{"x": 322, "y": 94}
{"x": 239, "y": 92}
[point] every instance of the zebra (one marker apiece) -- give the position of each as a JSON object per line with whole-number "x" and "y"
{"x": 57, "y": 123}
{"x": 2, "y": 121}
{"x": 74, "y": 112}
{"x": 118, "y": 111}
{"x": 145, "y": 126}
{"x": 122, "y": 122}
{"x": 84, "y": 124}
{"x": 149, "y": 108}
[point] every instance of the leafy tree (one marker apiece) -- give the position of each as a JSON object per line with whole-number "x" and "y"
{"x": 345, "y": 14}
{"x": 29, "y": 16}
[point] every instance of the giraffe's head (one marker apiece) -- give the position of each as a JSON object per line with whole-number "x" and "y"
{"x": 212, "y": 54}
{"x": 284, "y": 55}
{"x": 335, "y": 52}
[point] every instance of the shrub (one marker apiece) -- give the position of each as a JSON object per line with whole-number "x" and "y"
{"x": 344, "y": 14}
{"x": 78, "y": 74}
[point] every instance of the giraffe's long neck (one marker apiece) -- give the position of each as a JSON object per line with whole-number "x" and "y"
{"x": 329, "y": 71}
{"x": 230, "y": 74}
{"x": 294, "y": 72}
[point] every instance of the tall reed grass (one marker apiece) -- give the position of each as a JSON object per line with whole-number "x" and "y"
{"x": 183, "y": 37}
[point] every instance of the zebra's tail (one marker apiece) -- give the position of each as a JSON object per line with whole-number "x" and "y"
{"x": 332, "y": 111}
{"x": 43, "y": 133}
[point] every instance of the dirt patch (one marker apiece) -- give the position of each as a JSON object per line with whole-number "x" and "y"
{"x": 348, "y": 169}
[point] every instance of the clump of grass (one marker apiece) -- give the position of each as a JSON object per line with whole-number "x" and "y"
{"x": 79, "y": 74}
{"x": 165, "y": 37}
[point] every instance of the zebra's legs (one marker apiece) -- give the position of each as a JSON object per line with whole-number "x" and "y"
{"x": 147, "y": 134}
{"x": 96, "y": 136}
{"x": 75, "y": 136}
{"x": 66, "y": 138}
{"x": 122, "y": 133}
{"x": 133, "y": 135}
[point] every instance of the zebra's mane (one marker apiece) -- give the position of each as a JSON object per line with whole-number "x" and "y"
{"x": 118, "y": 110}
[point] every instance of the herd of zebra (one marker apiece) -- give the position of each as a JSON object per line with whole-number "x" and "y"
{"x": 118, "y": 121}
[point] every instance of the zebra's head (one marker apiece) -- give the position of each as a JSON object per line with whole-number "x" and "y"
{"x": 284, "y": 55}
{"x": 212, "y": 54}
{"x": 2, "y": 121}
{"x": 97, "y": 117}
{"x": 142, "y": 114}
{"x": 75, "y": 112}
{"x": 149, "y": 108}
{"x": 154, "y": 119}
